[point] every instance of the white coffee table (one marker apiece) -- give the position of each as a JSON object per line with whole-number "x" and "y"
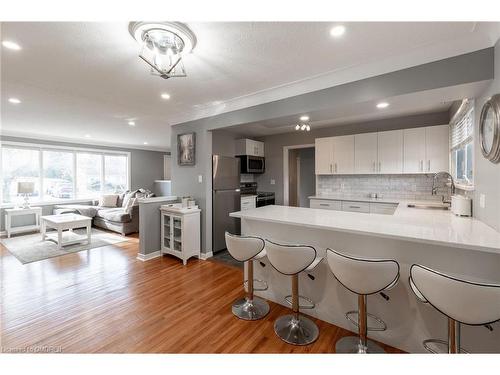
{"x": 66, "y": 222}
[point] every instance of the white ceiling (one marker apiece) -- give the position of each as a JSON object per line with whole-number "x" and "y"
{"x": 86, "y": 78}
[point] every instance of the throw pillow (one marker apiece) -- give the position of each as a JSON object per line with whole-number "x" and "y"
{"x": 130, "y": 204}
{"x": 108, "y": 200}
{"x": 128, "y": 195}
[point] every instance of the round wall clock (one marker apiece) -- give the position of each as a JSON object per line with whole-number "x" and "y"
{"x": 489, "y": 129}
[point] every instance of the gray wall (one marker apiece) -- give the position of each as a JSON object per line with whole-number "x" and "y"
{"x": 307, "y": 181}
{"x": 487, "y": 174}
{"x": 274, "y": 144}
{"x": 470, "y": 67}
{"x": 146, "y": 166}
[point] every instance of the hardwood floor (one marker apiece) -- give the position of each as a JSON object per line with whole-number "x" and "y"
{"x": 105, "y": 301}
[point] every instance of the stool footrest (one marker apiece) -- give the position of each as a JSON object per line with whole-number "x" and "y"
{"x": 309, "y": 304}
{"x": 428, "y": 347}
{"x": 381, "y": 327}
{"x": 263, "y": 285}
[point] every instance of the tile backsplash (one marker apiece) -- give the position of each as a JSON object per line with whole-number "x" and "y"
{"x": 414, "y": 186}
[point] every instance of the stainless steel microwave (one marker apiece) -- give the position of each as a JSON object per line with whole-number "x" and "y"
{"x": 252, "y": 164}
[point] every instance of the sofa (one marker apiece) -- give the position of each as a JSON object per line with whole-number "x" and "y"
{"x": 120, "y": 219}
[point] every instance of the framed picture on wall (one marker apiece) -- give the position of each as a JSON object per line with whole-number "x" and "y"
{"x": 186, "y": 149}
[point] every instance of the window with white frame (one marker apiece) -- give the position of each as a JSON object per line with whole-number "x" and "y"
{"x": 61, "y": 173}
{"x": 462, "y": 144}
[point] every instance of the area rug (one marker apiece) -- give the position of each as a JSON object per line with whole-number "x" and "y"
{"x": 30, "y": 248}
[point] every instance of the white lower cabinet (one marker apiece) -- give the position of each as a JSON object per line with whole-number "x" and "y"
{"x": 326, "y": 204}
{"x": 180, "y": 233}
{"x": 248, "y": 202}
{"x": 354, "y": 206}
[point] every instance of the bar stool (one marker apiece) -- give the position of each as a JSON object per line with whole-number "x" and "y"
{"x": 461, "y": 301}
{"x": 363, "y": 277}
{"x": 246, "y": 249}
{"x": 291, "y": 260}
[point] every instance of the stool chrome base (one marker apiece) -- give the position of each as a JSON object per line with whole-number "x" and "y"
{"x": 250, "y": 310}
{"x": 436, "y": 346}
{"x": 352, "y": 345}
{"x": 301, "y": 331}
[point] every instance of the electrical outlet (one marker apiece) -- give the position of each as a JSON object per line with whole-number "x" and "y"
{"x": 273, "y": 182}
{"x": 200, "y": 178}
{"x": 482, "y": 200}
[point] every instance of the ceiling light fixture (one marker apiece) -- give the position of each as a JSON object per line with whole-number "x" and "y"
{"x": 165, "y": 96}
{"x": 11, "y": 45}
{"x": 303, "y": 127}
{"x": 145, "y": 143}
{"x": 88, "y": 136}
{"x": 382, "y": 105}
{"x": 304, "y": 118}
{"x": 337, "y": 31}
{"x": 131, "y": 123}
{"x": 14, "y": 101}
{"x": 163, "y": 45}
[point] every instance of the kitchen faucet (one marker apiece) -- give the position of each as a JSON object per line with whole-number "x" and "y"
{"x": 449, "y": 179}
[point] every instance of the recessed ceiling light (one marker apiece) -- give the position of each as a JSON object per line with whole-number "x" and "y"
{"x": 11, "y": 45}
{"x": 382, "y": 105}
{"x": 165, "y": 96}
{"x": 337, "y": 31}
{"x": 145, "y": 143}
{"x": 88, "y": 136}
{"x": 131, "y": 123}
{"x": 14, "y": 101}
{"x": 304, "y": 118}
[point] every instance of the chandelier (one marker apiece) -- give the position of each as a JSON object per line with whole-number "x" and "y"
{"x": 303, "y": 127}
{"x": 162, "y": 46}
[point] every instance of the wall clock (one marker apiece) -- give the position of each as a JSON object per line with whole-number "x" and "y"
{"x": 489, "y": 129}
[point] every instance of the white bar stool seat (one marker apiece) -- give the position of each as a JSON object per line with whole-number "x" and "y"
{"x": 461, "y": 301}
{"x": 291, "y": 260}
{"x": 363, "y": 277}
{"x": 246, "y": 249}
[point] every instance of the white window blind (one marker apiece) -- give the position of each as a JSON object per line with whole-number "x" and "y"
{"x": 462, "y": 129}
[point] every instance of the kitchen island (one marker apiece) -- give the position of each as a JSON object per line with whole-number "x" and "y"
{"x": 464, "y": 247}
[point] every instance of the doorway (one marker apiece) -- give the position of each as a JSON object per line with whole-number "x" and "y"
{"x": 299, "y": 175}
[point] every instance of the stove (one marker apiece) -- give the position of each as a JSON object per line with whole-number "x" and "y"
{"x": 264, "y": 198}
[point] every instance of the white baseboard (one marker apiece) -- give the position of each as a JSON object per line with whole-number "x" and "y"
{"x": 146, "y": 257}
{"x": 205, "y": 256}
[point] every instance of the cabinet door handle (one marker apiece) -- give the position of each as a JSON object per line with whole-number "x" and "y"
{"x": 421, "y": 165}
{"x": 428, "y": 165}
{"x": 331, "y": 171}
{"x": 324, "y": 204}
{"x": 374, "y": 168}
{"x": 335, "y": 167}
{"x": 354, "y": 207}
{"x": 379, "y": 166}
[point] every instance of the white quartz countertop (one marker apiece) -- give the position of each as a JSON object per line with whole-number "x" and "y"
{"x": 438, "y": 227}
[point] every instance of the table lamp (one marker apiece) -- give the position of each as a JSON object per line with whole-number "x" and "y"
{"x": 26, "y": 188}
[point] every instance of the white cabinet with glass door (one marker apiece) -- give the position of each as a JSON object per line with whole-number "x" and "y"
{"x": 180, "y": 233}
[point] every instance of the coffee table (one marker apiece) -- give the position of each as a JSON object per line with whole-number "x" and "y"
{"x": 64, "y": 222}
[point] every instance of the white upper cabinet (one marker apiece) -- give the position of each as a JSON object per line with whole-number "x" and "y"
{"x": 420, "y": 150}
{"x": 324, "y": 155}
{"x": 414, "y": 150}
{"x": 437, "y": 149}
{"x": 426, "y": 150}
{"x": 390, "y": 152}
{"x": 249, "y": 147}
{"x": 365, "y": 153}
{"x": 343, "y": 154}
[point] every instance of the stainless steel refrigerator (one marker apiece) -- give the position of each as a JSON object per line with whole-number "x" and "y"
{"x": 225, "y": 198}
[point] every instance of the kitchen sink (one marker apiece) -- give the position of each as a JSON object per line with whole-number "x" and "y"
{"x": 429, "y": 206}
